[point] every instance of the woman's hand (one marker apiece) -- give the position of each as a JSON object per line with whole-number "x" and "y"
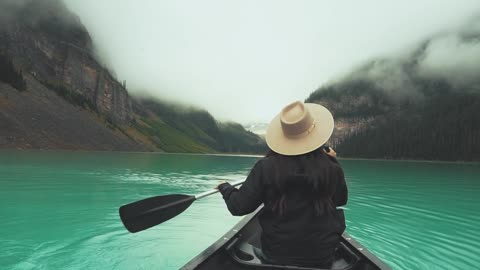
{"x": 223, "y": 182}
{"x": 331, "y": 153}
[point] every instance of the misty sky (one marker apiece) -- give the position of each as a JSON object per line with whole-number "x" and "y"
{"x": 245, "y": 60}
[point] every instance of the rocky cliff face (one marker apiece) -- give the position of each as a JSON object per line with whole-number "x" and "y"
{"x": 47, "y": 41}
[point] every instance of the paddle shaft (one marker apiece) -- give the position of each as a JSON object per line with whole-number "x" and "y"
{"x": 196, "y": 197}
{"x": 213, "y": 191}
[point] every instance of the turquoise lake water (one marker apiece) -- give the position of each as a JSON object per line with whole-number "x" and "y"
{"x": 59, "y": 210}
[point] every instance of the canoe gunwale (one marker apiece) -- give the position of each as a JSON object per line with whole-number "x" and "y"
{"x": 200, "y": 258}
{"x": 232, "y": 233}
{"x": 364, "y": 251}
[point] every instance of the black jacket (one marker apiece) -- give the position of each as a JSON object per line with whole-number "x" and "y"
{"x": 299, "y": 236}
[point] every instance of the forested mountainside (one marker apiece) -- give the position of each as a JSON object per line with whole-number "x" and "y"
{"x": 178, "y": 128}
{"x": 54, "y": 94}
{"x": 425, "y": 105}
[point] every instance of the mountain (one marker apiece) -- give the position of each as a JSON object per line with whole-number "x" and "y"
{"x": 176, "y": 128}
{"x": 423, "y": 105}
{"x": 257, "y": 128}
{"x": 55, "y": 94}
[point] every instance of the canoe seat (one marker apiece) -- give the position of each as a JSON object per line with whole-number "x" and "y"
{"x": 243, "y": 252}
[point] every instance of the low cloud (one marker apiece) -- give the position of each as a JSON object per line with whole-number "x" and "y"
{"x": 455, "y": 57}
{"x": 452, "y": 57}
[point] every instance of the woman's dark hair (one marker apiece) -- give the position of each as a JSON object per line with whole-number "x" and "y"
{"x": 315, "y": 175}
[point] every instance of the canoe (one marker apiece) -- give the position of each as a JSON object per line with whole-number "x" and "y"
{"x": 234, "y": 251}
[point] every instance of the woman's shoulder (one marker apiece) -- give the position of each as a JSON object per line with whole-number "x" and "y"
{"x": 267, "y": 160}
{"x": 265, "y": 163}
{"x": 262, "y": 161}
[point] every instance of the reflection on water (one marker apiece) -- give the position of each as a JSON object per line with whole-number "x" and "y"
{"x": 60, "y": 210}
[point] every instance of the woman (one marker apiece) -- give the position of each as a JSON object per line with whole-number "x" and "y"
{"x": 300, "y": 185}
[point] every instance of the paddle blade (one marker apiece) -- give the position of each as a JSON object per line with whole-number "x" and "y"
{"x": 141, "y": 215}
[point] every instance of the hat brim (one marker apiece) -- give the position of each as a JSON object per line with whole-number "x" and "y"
{"x": 319, "y": 135}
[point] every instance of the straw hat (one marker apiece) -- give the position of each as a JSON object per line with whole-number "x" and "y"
{"x": 299, "y": 128}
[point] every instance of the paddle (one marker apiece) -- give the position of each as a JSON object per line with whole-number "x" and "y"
{"x": 146, "y": 213}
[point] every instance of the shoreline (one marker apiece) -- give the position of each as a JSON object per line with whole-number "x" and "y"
{"x": 413, "y": 160}
{"x": 223, "y": 154}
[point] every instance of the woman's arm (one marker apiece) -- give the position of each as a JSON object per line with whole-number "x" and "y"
{"x": 340, "y": 196}
{"x": 248, "y": 197}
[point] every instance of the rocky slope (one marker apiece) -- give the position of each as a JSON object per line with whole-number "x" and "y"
{"x": 39, "y": 119}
